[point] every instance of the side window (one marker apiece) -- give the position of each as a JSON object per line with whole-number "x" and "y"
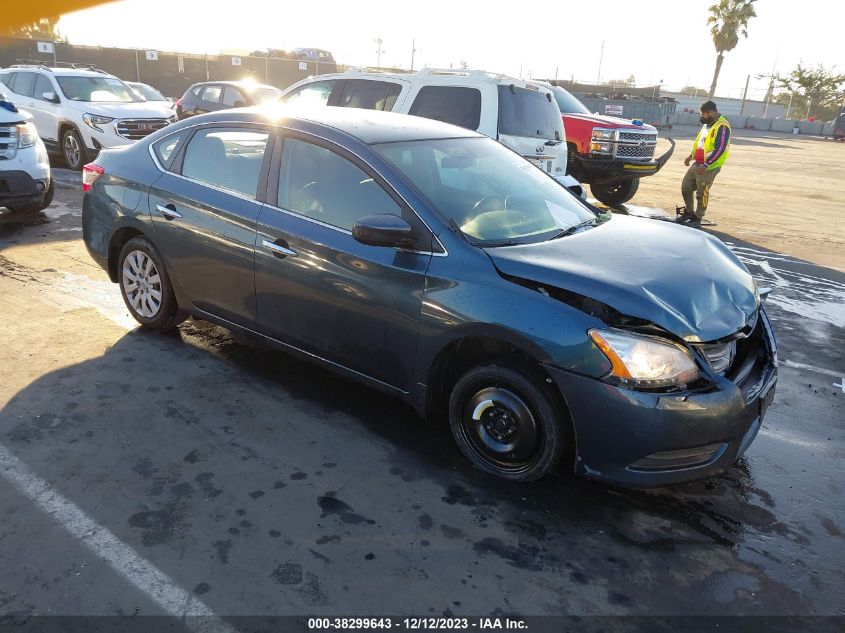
{"x": 6, "y": 77}
{"x": 24, "y": 82}
{"x": 322, "y": 185}
{"x": 229, "y": 158}
{"x": 316, "y": 93}
{"x": 165, "y": 149}
{"x": 232, "y": 96}
{"x": 450, "y": 104}
{"x": 370, "y": 95}
{"x": 42, "y": 85}
{"x": 212, "y": 94}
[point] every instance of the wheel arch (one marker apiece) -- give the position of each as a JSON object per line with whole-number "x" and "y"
{"x": 116, "y": 244}
{"x": 493, "y": 347}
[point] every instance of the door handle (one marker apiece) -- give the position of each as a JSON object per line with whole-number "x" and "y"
{"x": 278, "y": 249}
{"x": 169, "y": 212}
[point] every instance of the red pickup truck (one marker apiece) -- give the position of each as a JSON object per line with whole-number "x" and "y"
{"x": 608, "y": 153}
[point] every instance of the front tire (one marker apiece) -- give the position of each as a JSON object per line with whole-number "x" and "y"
{"x": 505, "y": 423}
{"x": 146, "y": 287}
{"x": 616, "y": 193}
{"x": 73, "y": 150}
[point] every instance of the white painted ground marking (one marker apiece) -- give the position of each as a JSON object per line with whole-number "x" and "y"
{"x": 141, "y": 573}
{"x": 841, "y": 385}
{"x": 818, "y": 370}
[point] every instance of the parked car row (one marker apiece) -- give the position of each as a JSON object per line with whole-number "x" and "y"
{"x": 609, "y": 153}
{"x": 80, "y": 111}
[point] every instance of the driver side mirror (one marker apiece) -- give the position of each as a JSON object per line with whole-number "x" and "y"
{"x": 52, "y": 97}
{"x": 382, "y": 229}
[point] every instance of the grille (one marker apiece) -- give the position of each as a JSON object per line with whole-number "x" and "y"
{"x": 638, "y": 136}
{"x": 8, "y": 142}
{"x": 135, "y": 129}
{"x": 720, "y": 356}
{"x": 635, "y": 151}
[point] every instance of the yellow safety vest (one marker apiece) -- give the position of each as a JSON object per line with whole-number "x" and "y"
{"x": 709, "y": 141}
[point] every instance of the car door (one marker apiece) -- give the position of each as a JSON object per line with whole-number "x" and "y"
{"x": 320, "y": 290}
{"x": 45, "y": 113}
{"x": 208, "y": 100}
{"x": 232, "y": 98}
{"x": 204, "y": 208}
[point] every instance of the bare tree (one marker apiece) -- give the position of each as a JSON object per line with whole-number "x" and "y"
{"x": 728, "y": 20}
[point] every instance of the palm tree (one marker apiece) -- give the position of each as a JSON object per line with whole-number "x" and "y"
{"x": 728, "y": 19}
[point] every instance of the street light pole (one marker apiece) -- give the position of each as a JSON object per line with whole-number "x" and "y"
{"x": 601, "y": 58}
{"x": 378, "y": 41}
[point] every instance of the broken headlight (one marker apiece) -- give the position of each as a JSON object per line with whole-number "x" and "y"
{"x": 645, "y": 361}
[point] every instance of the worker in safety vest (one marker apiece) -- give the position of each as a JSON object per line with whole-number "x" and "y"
{"x": 709, "y": 153}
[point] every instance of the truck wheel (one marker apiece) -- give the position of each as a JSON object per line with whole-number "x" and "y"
{"x": 616, "y": 193}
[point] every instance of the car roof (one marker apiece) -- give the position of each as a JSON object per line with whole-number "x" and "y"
{"x": 368, "y": 126}
{"x": 59, "y": 71}
{"x": 230, "y": 82}
{"x": 434, "y": 75}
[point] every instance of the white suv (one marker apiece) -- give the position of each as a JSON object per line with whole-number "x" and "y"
{"x": 78, "y": 112}
{"x": 523, "y": 115}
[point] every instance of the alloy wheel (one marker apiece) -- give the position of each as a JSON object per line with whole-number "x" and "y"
{"x": 72, "y": 150}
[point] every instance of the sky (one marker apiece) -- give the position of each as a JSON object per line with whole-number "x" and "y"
{"x": 656, "y": 41}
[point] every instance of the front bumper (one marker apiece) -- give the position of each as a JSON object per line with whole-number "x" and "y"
{"x": 19, "y": 188}
{"x": 641, "y": 439}
{"x": 606, "y": 170}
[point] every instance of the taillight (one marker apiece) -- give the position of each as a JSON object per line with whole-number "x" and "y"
{"x": 90, "y": 173}
{"x": 179, "y": 102}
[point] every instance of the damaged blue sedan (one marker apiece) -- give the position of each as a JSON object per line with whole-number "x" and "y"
{"x": 434, "y": 264}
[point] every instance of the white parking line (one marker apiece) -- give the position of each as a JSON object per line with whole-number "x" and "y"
{"x": 818, "y": 370}
{"x": 143, "y": 575}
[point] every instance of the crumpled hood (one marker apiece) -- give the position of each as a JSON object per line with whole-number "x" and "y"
{"x": 605, "y": 120}
{"x": 139, "y": 110}
{"x": 681, "y": 279}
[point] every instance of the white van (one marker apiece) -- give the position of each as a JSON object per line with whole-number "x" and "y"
{"x": 523, "y": 115}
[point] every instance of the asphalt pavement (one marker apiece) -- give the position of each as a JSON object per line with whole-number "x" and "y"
{"x": 197, "y": 474}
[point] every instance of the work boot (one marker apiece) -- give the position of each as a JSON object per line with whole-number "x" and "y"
{"x": 684, "y": 218}
{"x": 693, "y": 223}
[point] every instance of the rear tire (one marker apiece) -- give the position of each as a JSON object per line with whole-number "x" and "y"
{"x": 616, "y": 193}
{"x": 146, "y": 288}
{"x": 505, "y": 424}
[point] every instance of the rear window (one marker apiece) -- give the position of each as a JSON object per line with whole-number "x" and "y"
{"x": 524, "y": 112}
{"x": 370, "y": 95}
{"x": 450, "y": 104}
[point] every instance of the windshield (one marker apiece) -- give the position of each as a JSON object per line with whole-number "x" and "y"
{"x": 492, "y": 194}
{"x": 567, "y": 103}
{"x": 148, "y": 92}
{"x": 259, "y": 95}
{"x": 96, "y": 89}
{"x": 524, "y": 112}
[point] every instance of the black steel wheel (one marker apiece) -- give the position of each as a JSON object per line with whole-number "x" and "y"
{"x": 616, "y": 193}
{"x": 505, "y": 423}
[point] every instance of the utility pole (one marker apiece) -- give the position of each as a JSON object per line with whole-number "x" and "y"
{"x": 413, "y": 50}
{"x": 771, "y": 84}
{"x": 601, "y": 58}
{"x": 789, "y": 107}
{"x": 809, "y": 107}
{"x": 379, "y": 41}
{"x": 744, "y": 95}
{"x": 137, "y": 67}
